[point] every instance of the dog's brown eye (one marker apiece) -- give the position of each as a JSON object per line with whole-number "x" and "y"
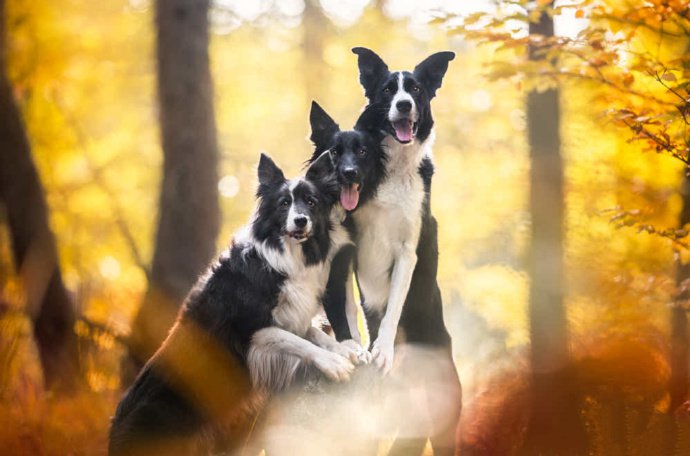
{"x": 386, "y": 90}
{"x": 311, "y": 202}
{"x": 416, "y": 88}
{"x": 362, "y": 152}
{"x": 285, "y": 203}
{"x": 334, "y": 152}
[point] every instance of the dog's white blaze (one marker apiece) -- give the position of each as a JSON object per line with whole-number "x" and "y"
{"x": 293, "y": 212}
{"x": 390, "y": 227}
{"x": 401, "y": 95}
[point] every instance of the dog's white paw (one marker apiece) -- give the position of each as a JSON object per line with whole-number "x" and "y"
{"x": 383, "y": 352}
{"x": 354, "y": 352}
{"x": 333, "y": 365}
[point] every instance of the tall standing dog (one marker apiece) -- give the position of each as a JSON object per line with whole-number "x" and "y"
{"x": 396, "y": 256}
{"x": 247, "y": 319}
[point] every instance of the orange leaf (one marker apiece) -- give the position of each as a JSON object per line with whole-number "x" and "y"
{"x": 579, "y": 14}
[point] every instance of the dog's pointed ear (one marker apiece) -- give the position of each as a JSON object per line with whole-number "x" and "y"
{"x": 372, "y": 70}
{"x": 371, "y": 119}
{"x": 320, "y": 168}
{"x": 323, "y": 127}
{"x": 269, "y": 173}
{"x": 431, "y": 71}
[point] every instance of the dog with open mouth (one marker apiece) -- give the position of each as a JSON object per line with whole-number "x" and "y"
{"x": 384, "y": 169}
{"x": 360, "y": 165}
{"x": 246, "y": 327}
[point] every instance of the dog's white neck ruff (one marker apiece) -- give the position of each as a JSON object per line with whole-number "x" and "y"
{"x": 301, "y": 292}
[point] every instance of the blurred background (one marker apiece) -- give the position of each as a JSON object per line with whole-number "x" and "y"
{"x": 112, "y": 202}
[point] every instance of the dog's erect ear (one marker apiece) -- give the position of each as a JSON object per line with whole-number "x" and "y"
{"x": 371, "y": 119}
{"x": 320, "y": 168}
{"x": 323, "y": 127}
{"x": 371, "y": 70}
{"x": 269, "y": 173}
{"x": 431, "y": 71}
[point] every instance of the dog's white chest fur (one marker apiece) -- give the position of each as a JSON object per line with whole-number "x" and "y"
{"x": 299, "y": 299}
{"x": 390, "y": 222}
{"x": 300, "y": 295}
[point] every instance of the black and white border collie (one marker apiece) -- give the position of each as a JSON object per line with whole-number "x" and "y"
{"x": 246, "y": 325}
{"x": 386, "y": 188}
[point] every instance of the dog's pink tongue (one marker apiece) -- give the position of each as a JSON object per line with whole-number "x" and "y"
{"x": 349, "y": 197}
{"x": 403, "y": 130}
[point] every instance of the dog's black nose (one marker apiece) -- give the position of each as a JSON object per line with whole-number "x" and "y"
{"x": 351, "y": 173}
{"x": 404, "y": 106}
{"x": 300, "y": 221}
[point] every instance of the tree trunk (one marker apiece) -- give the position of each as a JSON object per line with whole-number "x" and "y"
{"x": 679, "y": 318}
{"x": 547, "y": 313}
{"x": 189, "y": 212}
{"x": 33, "y": 244}
{"x": 678, "y": 384}
{"x": 314, "y": 27}
{"x": 554, "y": 427}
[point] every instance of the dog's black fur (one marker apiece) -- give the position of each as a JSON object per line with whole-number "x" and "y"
{"x": 165, "y": 412}
{"x": 422, "y": 317}
{"x": 421, "y": 321}
{"x": 359, "y": 160}
{"x": 357, "y": 154}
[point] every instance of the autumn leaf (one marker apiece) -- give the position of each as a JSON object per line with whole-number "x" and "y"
{"x": 669, "y": 77}
{"x": 628, "y": 79}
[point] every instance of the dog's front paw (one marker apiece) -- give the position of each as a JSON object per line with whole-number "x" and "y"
{"x": 382, "y": 352}
{"x": 333, "y": 365}
{"x": 354, "y": 352}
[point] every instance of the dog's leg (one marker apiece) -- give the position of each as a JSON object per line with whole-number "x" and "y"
{"x": 336, "y": 296}
{"x": 351, "y": 309}
{"x": 448, "y": 404}
{"x": 403, "y": 268}
{"x": 275, "y": 355}
{"x": 341, "y": 310}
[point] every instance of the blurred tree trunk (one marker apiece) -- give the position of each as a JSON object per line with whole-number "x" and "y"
{"x": 189, "y": 212}
{"x": 314, "y": 29}
{"x": 554, "y": 427}
{"x": 679, "y": 317}
{"x": 33, "y": 244}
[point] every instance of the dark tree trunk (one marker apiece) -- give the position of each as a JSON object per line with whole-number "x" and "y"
{"x": 189, "y": 213}
{"x": 678, "y": 385}
{"x": 33, "y": 244}
{"x": 679, "y": 317}
{"x": 547, "y": 313}
{"x": 554, "y": 427}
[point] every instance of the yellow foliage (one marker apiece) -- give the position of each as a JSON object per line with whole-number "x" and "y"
{"x": 84, "y": 74}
